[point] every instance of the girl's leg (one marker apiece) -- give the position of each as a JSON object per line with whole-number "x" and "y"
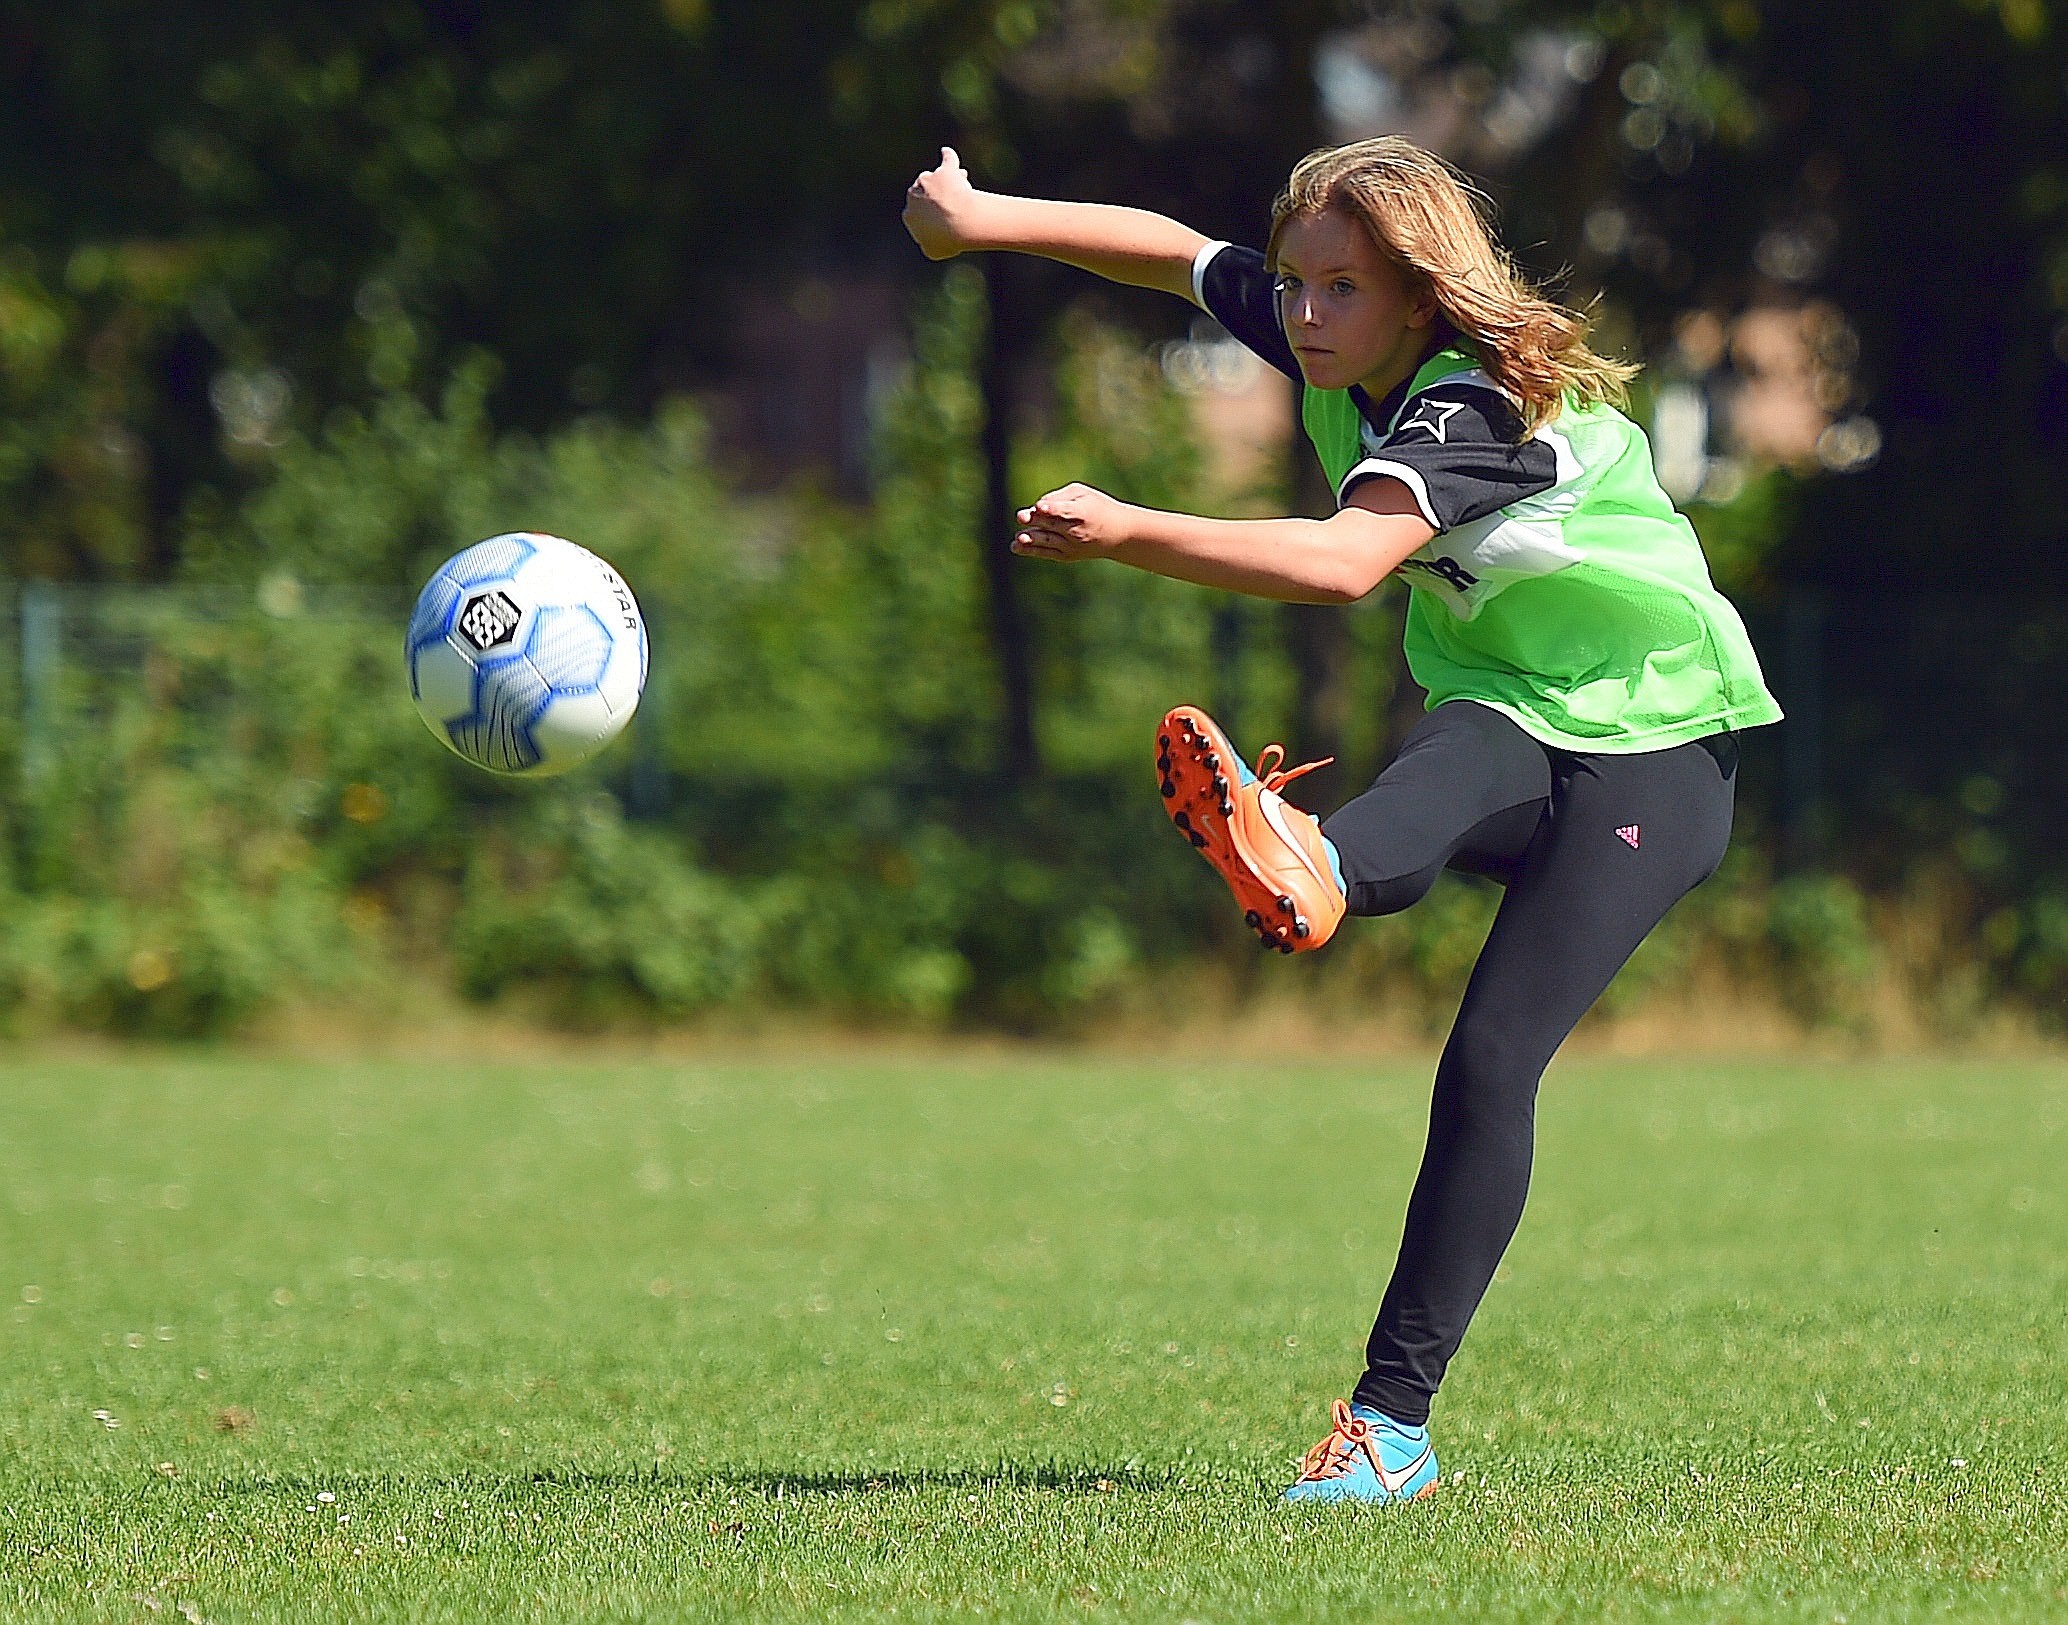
{"x": 1626, "y": 838}
{"x": 1466, "y": 791}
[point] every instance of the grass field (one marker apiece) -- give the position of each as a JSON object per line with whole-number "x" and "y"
{"x": 1038, "y": 1338}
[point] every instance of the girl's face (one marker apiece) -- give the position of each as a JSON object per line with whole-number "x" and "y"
{"x": 1348, "y": 311}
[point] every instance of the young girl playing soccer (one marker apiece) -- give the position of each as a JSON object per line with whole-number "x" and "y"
{"x": 1585, "y": 680}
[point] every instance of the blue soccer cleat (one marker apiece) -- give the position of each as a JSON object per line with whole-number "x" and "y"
{"x": 1367, "y": 1457}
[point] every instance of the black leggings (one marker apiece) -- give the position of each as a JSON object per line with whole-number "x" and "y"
{"x": 1593, "y": 850}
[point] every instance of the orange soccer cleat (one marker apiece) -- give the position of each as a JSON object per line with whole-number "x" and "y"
{"x": 1281, "y": 868}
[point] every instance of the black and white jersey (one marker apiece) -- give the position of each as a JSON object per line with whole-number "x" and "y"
{"x": 1460, "y": 447}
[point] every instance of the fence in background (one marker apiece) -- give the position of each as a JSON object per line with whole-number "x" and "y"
{"x": 1913, "y": 721}
{"x": 74, "y": 648}
{"x": 1916, "y": 722}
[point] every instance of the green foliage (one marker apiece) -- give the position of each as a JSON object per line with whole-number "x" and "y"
{"x": 218, "y": 798}
{"x": 78, "y": 343}
{"x": 811, "y": 832}
{"x": 217, "y": 232}
{"x": 196, "y": 965}
{"x": 176, "y": 853}
{"x": 281, "y": 286}
{"x": 1826, "y": 953}
{"x": 2037, "y": 937}
{"x": 1739, "y": 536}
{"x": 597, "y": 919}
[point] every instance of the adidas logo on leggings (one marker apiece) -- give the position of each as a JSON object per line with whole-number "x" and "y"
{"x": 1629, "y": 834}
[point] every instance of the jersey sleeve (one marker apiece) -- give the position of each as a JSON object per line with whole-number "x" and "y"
{"x": 1461, "y": 449}
{"x": 1236, "y": 288}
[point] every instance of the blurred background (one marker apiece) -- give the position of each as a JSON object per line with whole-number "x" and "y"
{"x": 296, "y": 298}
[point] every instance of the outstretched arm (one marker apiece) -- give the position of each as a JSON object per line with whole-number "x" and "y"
{"x": 1301, "y": 561}
{"x": 947, "y": 216}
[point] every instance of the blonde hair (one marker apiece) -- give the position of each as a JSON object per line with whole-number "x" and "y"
{"x": 1435, "y": 225}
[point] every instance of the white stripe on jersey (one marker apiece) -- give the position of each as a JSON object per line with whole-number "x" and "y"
{"x": 1200, "y": 261}
{"x": 1409, "y": 477}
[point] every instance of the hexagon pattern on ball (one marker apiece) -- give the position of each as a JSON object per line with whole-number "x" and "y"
{"x": 527, "y": 654}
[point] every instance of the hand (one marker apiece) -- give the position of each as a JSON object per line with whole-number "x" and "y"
{"x": 937, "y": 208}
{"x": 1074, "y": 522}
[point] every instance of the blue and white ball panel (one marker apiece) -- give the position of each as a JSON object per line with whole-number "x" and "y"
{"x": 570, "y": 645}
{"x": 498, "y": 731}
{"x": 497, "y": 559}
{"x": 435, "y": 607}
{"x": 527, "y": 654}
{"x": 577, "y": 726}
{"x": 442, "y": 680}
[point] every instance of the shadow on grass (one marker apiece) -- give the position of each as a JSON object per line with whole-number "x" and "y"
{"x": 1010, "y": 1475}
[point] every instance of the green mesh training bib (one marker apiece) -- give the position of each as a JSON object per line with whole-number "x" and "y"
{"x": 1585, "y": 612}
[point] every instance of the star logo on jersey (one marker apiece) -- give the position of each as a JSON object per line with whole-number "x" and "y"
{"x": 1434, "y": 416}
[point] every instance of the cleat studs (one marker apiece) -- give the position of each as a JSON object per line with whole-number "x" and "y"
{"x": 1163, "y": 740}
{"x": 1285, "y": 947}
{"x": 1182, "y": 819}
{"x": 1252, "y": 919}
{"x": 1302, "y": 930}
{"x": 1285, "y": 905}
{"x": 1227, "y": 809}
{"x": 1197, "y": 838}
{"x": 1213, "y": 761}
{"x": 1163, "y": 763}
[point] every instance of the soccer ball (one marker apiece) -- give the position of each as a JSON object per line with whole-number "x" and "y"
{"x": 527, "y": 654}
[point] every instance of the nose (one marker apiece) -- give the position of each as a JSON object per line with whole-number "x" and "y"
{"x": 1303, "y": 312}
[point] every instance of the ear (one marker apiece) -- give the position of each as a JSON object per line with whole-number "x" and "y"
{"x": 1422, "y": 308}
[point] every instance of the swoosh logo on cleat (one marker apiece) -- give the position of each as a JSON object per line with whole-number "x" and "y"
{"x": 1394, "y": 1483}
{"x": 1273, "y": 804}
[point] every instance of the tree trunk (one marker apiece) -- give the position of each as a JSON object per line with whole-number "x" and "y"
{"x": 1322, "y": 656}
{"x": 1005, "y": 344}
{"x": 1318, "y": 637}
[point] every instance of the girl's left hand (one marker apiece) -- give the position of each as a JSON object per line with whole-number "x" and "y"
{"x": 1073, "y": 522}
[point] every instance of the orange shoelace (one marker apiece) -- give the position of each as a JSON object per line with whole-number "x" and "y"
{"x": 1268, "y": 773}
{"x": 1338, "y": 1453}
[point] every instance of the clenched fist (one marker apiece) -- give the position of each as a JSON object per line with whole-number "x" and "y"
{"x": 939, "y": 206}
{"x": 1073, "y": 522}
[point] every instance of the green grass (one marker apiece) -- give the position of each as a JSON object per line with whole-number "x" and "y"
{"x": 1032, "y": 1337}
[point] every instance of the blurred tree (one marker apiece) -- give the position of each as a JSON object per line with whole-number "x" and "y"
{"x": 220, "y": 223}
{"x": 1114, "y": 100}
{"x": 236, "y": 219}
{"x": 1906, "y": 164}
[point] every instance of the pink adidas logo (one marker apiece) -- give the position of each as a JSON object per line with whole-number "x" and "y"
{"x": 1629, "y": 835}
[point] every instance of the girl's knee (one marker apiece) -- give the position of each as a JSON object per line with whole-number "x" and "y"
{"x": 1489, "y": 1071}
{"x": 1375, "y": 897}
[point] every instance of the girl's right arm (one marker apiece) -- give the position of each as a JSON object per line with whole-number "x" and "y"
{"x": 947, "y": 216}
